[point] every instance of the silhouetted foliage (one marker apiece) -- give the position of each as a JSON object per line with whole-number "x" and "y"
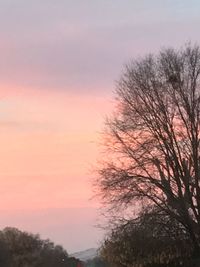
{"x": 73, "y": 262}
{"x": 5, "y": 255}
{"x": 153, "y": 140}
{"x": 21, "y": 249}
{"x": 153, "y": 239}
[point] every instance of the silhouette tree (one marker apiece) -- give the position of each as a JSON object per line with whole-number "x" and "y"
{"x": 153, "y": 239}
{"x": 21, "y": 249}
{"x": 153, "y": 139}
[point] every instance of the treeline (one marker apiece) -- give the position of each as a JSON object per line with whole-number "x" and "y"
{"x": 22, "y": 249}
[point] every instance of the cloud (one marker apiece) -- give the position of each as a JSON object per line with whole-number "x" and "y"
{"x": 70, "y": 45}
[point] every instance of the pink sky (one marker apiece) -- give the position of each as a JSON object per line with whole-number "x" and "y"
{"x": 59, "y": 63}
{"x": 48, "y": 147}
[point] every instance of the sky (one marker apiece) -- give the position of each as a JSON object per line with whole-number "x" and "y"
{"x": 59, "y": 63}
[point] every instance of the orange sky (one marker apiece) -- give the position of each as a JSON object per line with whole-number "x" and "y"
{"x": 49, "y": 142}
{"x": 47, "y": 147}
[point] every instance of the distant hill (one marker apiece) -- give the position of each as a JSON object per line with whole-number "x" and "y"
{"x": 85, "y": 255}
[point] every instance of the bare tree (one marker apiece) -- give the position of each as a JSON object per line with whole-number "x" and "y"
{"x": 153, "y": 139}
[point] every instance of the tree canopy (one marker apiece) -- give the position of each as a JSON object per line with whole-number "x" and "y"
{"x": 22, "y": 249}
{"x": 153, "y": 139}
{"x": 153, "y": 239}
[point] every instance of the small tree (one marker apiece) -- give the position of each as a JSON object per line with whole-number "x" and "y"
{"x": 153, "y": 139}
